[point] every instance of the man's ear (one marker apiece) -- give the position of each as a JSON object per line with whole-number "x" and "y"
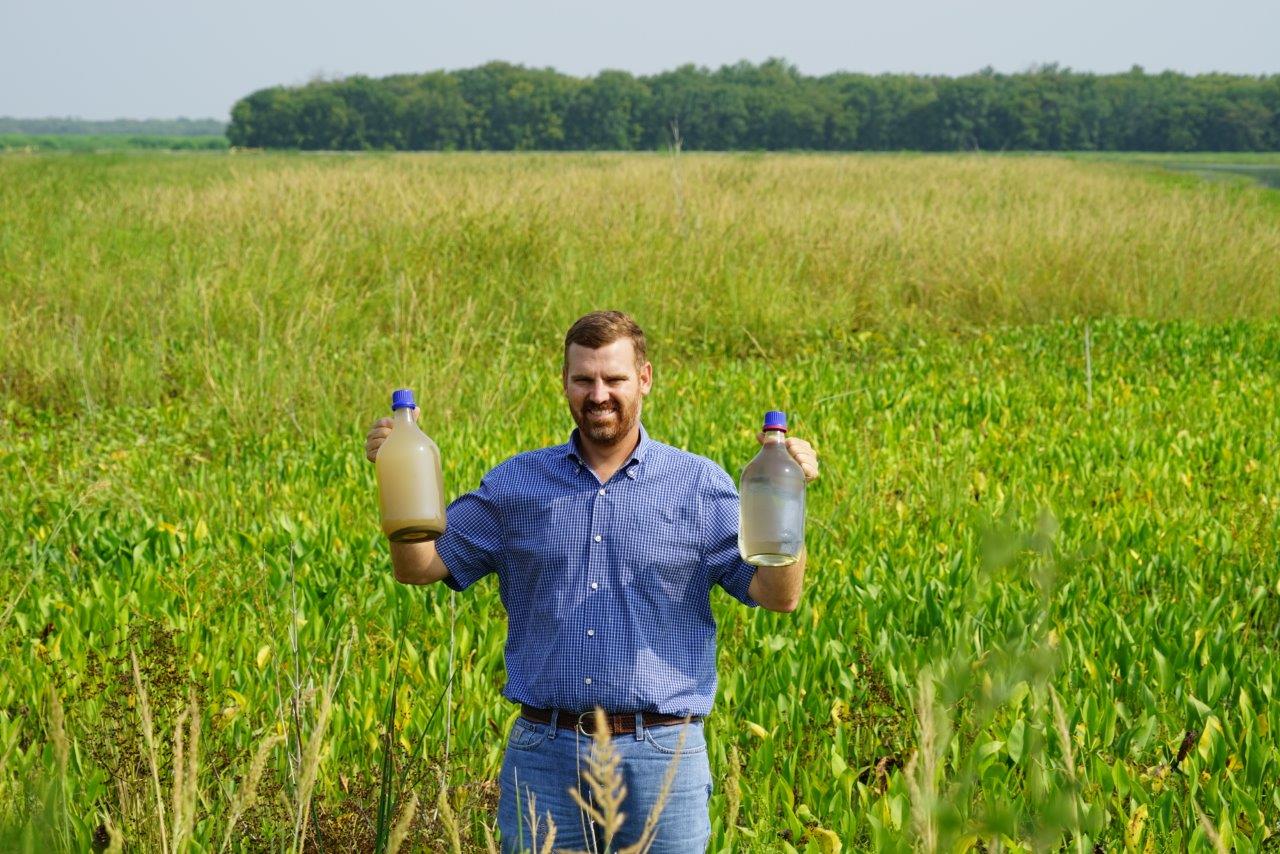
{"x": 646, "y": 377}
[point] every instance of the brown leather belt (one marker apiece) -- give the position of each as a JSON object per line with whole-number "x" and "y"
{"x": 619, "y": 723}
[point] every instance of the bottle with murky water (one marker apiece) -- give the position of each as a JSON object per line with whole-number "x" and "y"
{"x": 771, "y": 524}
{"x": 410, "y": 484}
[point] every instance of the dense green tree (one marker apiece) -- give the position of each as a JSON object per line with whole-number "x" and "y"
{"x": 608, "y": 112}
{"x": 772, "y": 106}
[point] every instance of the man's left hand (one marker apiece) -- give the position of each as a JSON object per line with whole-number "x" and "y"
{"x": 804, "y": 454}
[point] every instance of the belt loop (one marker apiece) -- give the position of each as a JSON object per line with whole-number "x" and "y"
{"x": 639, "y": 726}
{"x": 555, "y": 718}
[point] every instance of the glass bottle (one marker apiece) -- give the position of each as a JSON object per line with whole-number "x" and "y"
{"x": 771, "y": 520}
{"x": 410, "y": 484}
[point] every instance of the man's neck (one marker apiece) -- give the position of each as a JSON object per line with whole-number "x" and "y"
{"x": 605, "y": 460}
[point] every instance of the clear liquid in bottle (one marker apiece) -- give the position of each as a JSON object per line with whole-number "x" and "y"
{"x": 771, "y": 520}
{"x": 410, "y": 484}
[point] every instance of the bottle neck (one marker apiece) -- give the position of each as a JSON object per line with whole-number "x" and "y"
{"x": 403, "y": 415}
{"x": 775, "y": 437}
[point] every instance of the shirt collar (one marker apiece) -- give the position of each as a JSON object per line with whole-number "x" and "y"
{"x": 631, "y": 466}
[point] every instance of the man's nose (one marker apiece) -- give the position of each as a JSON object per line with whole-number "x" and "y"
{"x": 599, "y": 393}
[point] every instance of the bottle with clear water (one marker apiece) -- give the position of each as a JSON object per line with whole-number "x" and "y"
{"x": 771, "y": 524}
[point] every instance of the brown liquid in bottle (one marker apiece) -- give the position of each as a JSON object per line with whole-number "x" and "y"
{"x": 410, "y": 484}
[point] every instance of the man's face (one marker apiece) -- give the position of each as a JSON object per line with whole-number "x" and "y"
{"x": 604, "y": 388}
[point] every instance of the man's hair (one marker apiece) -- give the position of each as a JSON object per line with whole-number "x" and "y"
{"x": 599, "y": 328}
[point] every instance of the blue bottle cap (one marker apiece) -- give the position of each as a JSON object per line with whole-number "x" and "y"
{"x": 402, "y": 398}
{"x": 775, "y": 420}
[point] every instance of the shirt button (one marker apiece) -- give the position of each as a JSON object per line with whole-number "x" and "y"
{"x": 595, "y": 585}
{"x": 587, "y": 681}
{"x": 602, "y": 492}
{"x": 591, "y": 633}
{"x": 599, "y": 538}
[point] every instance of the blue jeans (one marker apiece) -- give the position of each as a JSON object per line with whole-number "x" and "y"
{"x": 543, "y": 763}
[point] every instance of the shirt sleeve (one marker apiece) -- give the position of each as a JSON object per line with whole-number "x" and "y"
{"x": 471, "y": 545}
{"x": 719, "y": 501}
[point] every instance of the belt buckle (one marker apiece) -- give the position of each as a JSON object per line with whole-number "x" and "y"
{"x": 582, "y": 731}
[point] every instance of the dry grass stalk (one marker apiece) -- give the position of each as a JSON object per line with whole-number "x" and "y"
{"x": 404, "y": 821}
{"x": 177, "y": 805}
{"x": 247, "y": 794}
{"x": 532, "y": 803}
{"x": 733, "y": 793}
{"x": 490, "y": 844}
{"x": 1064, "y": 735}
{"x": 549, "y": 839}
{"x": 148, "y": 735}
{"x": 61, "y": 747}
{"x": 1211, "y": 832}
{"x": 310, "y": 770}
{"x": 604, "y": 778}
{"x": 312, "y": 754}
{"x": 650, "y": 831}
{"x": 115, "y": 839}
{"x": 186, "y": 768}
{"x": 1069, "y": 757}
{"x": 608, "y": 792}
{"x": 61, "y": 753}
{"x": 922, "y": 770}
{"x": 447, "y": 818}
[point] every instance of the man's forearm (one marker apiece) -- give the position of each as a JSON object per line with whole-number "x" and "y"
{"x": 778, "y": 587}
{"x": 417, "y": 563}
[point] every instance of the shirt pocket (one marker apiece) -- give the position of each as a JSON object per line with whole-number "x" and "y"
{"x": 671, "y": 559}
{"x": 543, "y": 553}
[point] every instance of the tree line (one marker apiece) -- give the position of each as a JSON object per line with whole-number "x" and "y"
{"x": 131, "y": 127}
{"x": 770, "y": 106}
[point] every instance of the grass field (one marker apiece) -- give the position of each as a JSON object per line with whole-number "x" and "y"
{"x": 1042, "y": 607}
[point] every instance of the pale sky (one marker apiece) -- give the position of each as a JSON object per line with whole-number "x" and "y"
{"x": 102, "y": 59}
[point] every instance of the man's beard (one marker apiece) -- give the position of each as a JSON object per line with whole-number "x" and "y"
{"x": 611, "y": 430}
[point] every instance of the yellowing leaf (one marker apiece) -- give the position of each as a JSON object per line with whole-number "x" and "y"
{"x": 1205, "y": 746}
{"x": 264, "y": 655}
{"x": 757, "y": 730}
{"x": 1133, "y": 831}
{"x": 827, "y": 840}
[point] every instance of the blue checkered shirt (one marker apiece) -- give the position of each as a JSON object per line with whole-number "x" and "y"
{"x": 607, "y": 586}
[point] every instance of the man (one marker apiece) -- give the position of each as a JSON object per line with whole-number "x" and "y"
{"x": 606, "y": 549}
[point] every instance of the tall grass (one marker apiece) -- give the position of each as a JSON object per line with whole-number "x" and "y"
{"x": 296, "y": 286}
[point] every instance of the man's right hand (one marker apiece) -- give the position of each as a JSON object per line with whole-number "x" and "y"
{"x": 378, "y": 434}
